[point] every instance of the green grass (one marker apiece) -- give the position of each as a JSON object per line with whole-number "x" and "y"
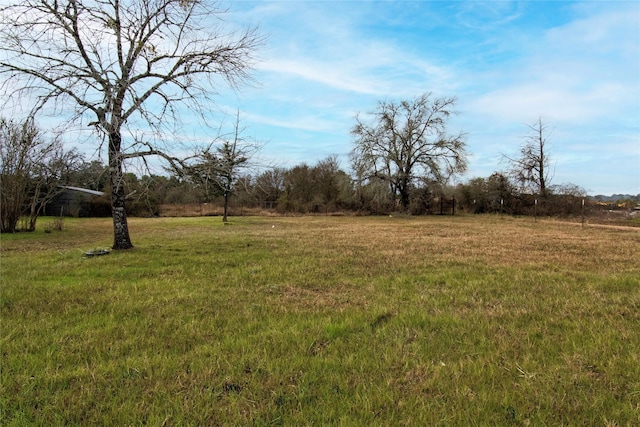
{"x": 322, "y": 321}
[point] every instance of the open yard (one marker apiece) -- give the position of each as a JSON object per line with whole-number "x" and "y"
{"x": 466, "y": 320}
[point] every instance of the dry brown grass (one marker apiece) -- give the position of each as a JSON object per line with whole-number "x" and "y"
{"x": 210, "y": 209}
{"x": 491, "y": 241}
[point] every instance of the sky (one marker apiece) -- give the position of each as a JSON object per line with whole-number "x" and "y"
{"x": 575, "y": 65}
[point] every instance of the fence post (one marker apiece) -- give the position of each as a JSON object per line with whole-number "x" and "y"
{"x": 583, "y": 213}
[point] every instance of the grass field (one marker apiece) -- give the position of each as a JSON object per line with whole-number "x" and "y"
{"x": 347, "y": 321}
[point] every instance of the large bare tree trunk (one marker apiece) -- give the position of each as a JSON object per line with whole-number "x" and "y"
{"x": 404, "y": 198}
{"x": 121, "y": 239}
{"x": 542, "y": 159}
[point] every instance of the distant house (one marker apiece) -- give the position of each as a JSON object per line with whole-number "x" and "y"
{"x": 78, "y": 202}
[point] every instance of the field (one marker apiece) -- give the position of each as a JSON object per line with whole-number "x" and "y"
{"x": 347, "y": 321}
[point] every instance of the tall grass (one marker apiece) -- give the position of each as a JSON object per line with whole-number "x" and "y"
{"x": 322, "y": 321}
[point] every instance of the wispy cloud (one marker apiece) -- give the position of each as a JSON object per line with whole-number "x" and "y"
{"x": 303, "y": 122}
{"x": 487, "y": 15}
{"x": 577, "y": 72}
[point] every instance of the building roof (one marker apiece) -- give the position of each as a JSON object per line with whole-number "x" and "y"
{"x": 83, "y": 190}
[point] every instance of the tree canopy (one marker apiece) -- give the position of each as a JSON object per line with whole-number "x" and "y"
{"x": 408, "y": 140}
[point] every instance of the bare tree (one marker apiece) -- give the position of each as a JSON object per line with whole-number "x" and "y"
{"x": 233, "y": 157}
{"x": 408, "y": 140}
{"x": 31, "y": 171}
{"x": 531, "y": 167}
{"x": 218, "y": 167}
{"x": 128, "y": 66}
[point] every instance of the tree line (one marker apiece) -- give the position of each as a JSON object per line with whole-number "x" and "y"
{"x": 326, "y": 188}
{"x": 34, "y": 170}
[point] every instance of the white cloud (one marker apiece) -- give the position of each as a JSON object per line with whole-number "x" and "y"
{"x": 584, "y": 70}
{"x": 486, "y": 15}
{"x": 526, "y": 101}
{"x": 372, "y": 68}
{"x": 301, "y": 122}
{"x": 325, "y": 73}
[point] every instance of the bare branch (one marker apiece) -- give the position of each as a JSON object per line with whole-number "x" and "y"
{"x": 408, "y": 141}
{"x": 531, "y": 167}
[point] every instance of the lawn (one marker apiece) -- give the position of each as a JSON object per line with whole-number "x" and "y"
{"x": 352, "y": 321}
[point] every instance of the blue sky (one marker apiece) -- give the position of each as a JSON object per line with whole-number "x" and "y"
{"x": 574, "y": 64}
